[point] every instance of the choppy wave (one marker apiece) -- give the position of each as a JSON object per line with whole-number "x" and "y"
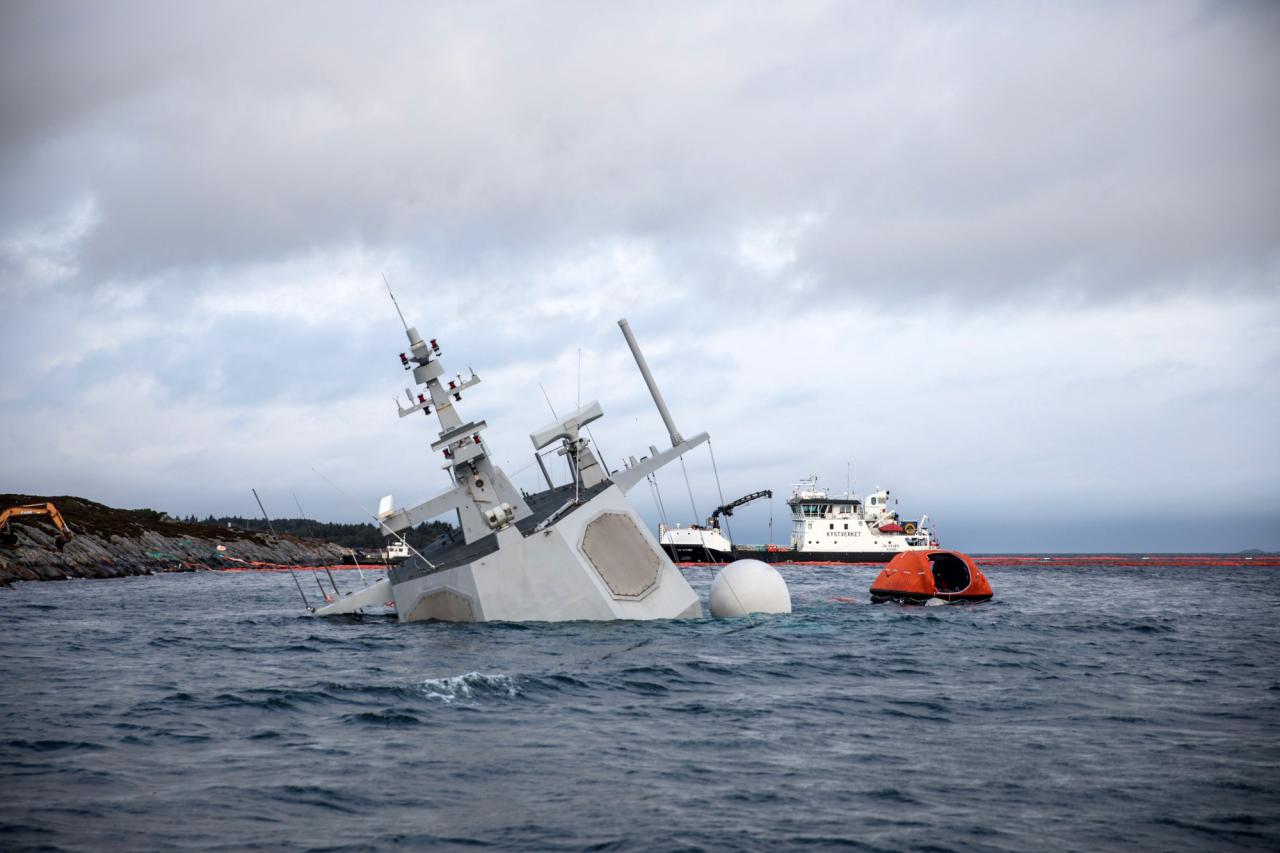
{"x": 470, "y": 686}
{"x": 1089, "y": 707}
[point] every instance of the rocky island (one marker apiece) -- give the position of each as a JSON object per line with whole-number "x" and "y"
{"x": 108, "y": 543}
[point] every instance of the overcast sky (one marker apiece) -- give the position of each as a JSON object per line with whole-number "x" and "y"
{"x": 1018, "y": 262}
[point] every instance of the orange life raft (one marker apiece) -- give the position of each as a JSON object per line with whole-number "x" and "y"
{"x": 914, "y": 577}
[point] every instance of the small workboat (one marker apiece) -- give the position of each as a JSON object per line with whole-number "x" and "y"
{"x": 826, "y": 529}
{"x": 915, "y": 577}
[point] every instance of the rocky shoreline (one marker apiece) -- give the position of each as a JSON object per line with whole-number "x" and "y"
{"x": 112, "y": 543}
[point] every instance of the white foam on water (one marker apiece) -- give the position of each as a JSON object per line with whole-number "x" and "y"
{"x": 469, "y": 685}
{"x": 934, "y": 602}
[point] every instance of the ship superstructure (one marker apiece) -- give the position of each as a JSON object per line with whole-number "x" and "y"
{"x": 575, "y": 551}
{"x": 825, "y": 528}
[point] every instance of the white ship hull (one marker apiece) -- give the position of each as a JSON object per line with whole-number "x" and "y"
{"x": 825, "y": 530}
{"x": 778, "y": 554}
{"x": 598, "y": 562}
{"x": 695, "y": 544}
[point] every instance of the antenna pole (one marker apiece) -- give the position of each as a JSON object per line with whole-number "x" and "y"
{"x": 648, "y": 380}
{"x": 305, "y": 603}
{"x": 393, "y": 302}
{"x": 577, "y": 474}
{"x": 359, "y": 568}
{"x": 303, "y": 515}
{"x": 548, "y": 398}
{"x": 542, "y": 465}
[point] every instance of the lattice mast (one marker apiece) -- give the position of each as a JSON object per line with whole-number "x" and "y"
{"x": 465, "y": 455}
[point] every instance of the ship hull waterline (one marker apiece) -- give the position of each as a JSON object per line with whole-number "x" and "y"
{"x": 695, "y": 555}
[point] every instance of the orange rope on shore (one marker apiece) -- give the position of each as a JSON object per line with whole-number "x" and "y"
{"x": 256, "y": 566}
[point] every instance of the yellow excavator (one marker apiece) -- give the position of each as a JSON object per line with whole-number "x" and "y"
{"x": 9, "y": 539}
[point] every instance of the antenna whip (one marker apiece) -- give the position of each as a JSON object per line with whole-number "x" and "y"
{"x": 393, "y": 302}
{"x": 305, "y": 603}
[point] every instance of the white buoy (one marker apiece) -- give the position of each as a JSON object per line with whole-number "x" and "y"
{"x": 749, "y": 586}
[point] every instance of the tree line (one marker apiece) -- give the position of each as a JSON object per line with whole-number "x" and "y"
{"x": 354, "y": 535}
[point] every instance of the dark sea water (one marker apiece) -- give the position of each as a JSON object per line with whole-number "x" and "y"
{"x": 1086, "y": 708}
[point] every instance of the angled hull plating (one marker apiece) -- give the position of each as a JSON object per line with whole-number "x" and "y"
{"x": 596, "y": 562}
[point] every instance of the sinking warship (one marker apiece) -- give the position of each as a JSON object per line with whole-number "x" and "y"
{"x": 570, "y": 552}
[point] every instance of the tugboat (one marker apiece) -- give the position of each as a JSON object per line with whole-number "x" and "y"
{"x": 704, "y": 543}
{"x": 571, "y": 552}
{"x": 825, "y": 529}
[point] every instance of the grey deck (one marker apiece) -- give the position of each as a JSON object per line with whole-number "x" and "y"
{"x": 450, "y": 550}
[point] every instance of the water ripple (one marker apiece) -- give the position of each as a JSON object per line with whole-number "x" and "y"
{"x": 1103, "y": 707}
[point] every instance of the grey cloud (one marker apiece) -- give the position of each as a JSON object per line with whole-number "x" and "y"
{"x": 816, "y": 216}
{"x": 996, "y": 149}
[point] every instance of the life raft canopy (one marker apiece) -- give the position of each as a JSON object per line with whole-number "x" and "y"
{"x": 914, "y": 577}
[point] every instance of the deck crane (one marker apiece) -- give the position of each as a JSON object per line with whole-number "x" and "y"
{"x": 727, "y": 510}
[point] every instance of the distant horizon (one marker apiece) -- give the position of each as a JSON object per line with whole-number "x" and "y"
{"x": 744, "y": 534}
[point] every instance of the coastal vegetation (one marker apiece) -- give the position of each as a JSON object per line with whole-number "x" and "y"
{"x": 348, "y": 535}
{"x": 110, "y": 542}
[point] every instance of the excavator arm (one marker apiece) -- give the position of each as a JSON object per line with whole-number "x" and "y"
{"x": 8, "y": 539}
{"x": 728, "y": 508}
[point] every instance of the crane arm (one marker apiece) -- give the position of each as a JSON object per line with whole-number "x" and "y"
{"x": 38, "y": 509}
{"x": 728, "y": 508}
{"x": 58, "y": 520}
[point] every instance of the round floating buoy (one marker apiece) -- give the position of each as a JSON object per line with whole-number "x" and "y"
{"x": 923, "y": 577}
{"x": 748, "y": 586}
